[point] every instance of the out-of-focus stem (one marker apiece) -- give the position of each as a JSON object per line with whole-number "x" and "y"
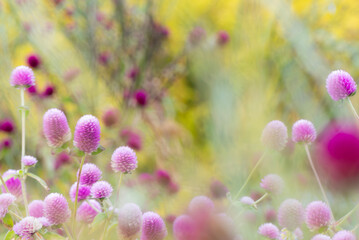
{"x": 318, "y": 179}
{"x": 77, "y": 193}
{"x": 4, "y": 184}
{"x": 118, "y": 189}
{"x": 250, "y": 175}
{"x": 23, "y": 177}
{"x": 343, "y": 219}
{"x": 261, "y": 199}
{"x": 353, "y": 109}
{"x": 67, "y": 231}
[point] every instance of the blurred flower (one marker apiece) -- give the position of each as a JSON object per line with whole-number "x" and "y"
{"x": 83, "y": 193}
{"x": 247, "y": 200}
{"x": 129, "y": 220}
{"x": 32, "y": 90}
{"x": 141, "y": 98}
{"x": 340, "y": 85}
{"x": 218, "y": 189}
{"x": 90, "y": 174}
{"x": 110, "y": 117}
{"x": 44, "y": 221}
{"x": 298, "y": 233}
{"x": 36, "y": 208}
{"x": 33, "y": 60}
{"x": 13, "y": 184}
{"x": 170, "y": 218}
{"x": 196, "y": 35}
{"x": 272, "y": 183}
{"x": 7, "y": 125}
{"x": 27, "y": 227}
{"x": 344, "y": 235}
{"x": 6, "y": 143}
{"x": 269, "y": 230}
{"x": 291, "y": 214}
{"x": 133, "y": 73}
{"x": 275, "y": 135}
{"x": 303, "y": 131}
{"x": 62, "y": 159}
{"x": 104, "y": 58}
{"x": 146, "y": 178}
{"x": 28, "y": 161}
{"x": 101, "y": 189}
{"x": 153, "y": 227}
{"x": 184, "y": 228}
{"x": 22, "y": 76}
{"x": 321, "y": 237}
{"x": 163, "y": 177}
{"x": 124, "y": 160}
{"x": 87, "y": 134}
{"x": 222, "y": 38}
{"x": 56, "y": 209}
{"x": 173, "y": 187}
{"x": 56, "y": 128}
{"x": 201, "y": 206}
{"x": 87, "y": 212}
{"x": 49, "y": 91}
{"x": 71, "y": 74}
{"x": 6, "y": 199}
{"x": 133, "y": 140}
{"x": 318, "y": 215}
{"x": 270, "y": 215}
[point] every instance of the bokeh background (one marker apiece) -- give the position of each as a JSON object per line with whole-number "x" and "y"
{"x": 212, "y": 73}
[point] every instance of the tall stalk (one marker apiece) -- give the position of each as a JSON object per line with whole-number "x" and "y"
{"x": 23, "y": 177}
{"x": 77, "y": 194}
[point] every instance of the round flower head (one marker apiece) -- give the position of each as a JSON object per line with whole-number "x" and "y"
{"x": 28, "y": 161}
{"x": 44, "y": 221}
{"x": 56, "y": 209}
{"x": 87, "y": 134}
{"x": 56, "y": 128}
{"x": 247, "y": 200}
{"x": 22, "y": 76}
{"x": 272, "y": 183}
{"x": 6, "y": 199}
{"x": 201, "y": 205}
{"x": 153, "y": 227}
{"x": 340, "y": 85}
{"x": 275, "y": 135}
{"x": 321, "y": 237}
{"x": 163, "y": 177}
{"x": 101, "y": 189}
{"x": 27, "y": 227}
{"x": 184, "y": 228}
{"x": 87, "y": 212}
{"x": 303, "y": 131}
{"x": 33, "y": 60}
{"x": 344, "y": 235}
{"x": 36, "y": 208}
{"x": 317, "y": 215}
{"x": 7, "y": 125}
{"x": 12, "y": 183}
{"x": 90, "y": 174}
{"x": 83, "y": 193}
{"x": 298, "y": 233}
{"x": 110, "y": 117}
{"x": 269, "y": 230}
{"x": 124, "y": 160}
{"x": 129, "y": 220}
{"x": 291, "y": 214}
{"x": 218, "y": 189}
{"x": 141, "y": 98}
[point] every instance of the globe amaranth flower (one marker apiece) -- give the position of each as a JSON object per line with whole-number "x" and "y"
{"x": 344, "y": 235}
{"x": 269, "y": 230}
{"x": 218, "y": 189}
{"x": 6, "y": 199}
{"x": 62, "y": 159}
{"x": 7, "y": 126}
{"x": 27, "y": 227}
{"x": 101, "y": 189}
{"x": 201, "y": 206}
{"x": 321, "y": 237}
{"x": 247, "y": 200}
{"x": 90, "y": 174}
{"x": 129, "y": 220}
{"x": 163, "y": 177}
{"x": 56, "y": 209}
{"x": 340, "y": 85}
{"x": 56, "y": 128}
{"x": 12, "y": 183}
{"x": 272, "y": 183}
{"x": 291, "y": 214}
{"x": 185, "y": 228}
{"x": 153, "y": 227}
{"x": 36, "y": 208}
{"x": 124, "y": 160}
{"x": 83, "y": 193}
{"x": 110, "y": 117}
{"x": 141, "y": 98}
{"x": 28, "y": 161}
{"x": 22, "y": 76}
{"x": 87, "y": 134}
{"x": 318, "y": 215}
{"x": 33, "y": 60}
{"x": 87, "y": 212}
{"x": 275, "y": 135}
{"x": 303, "y": 131}
{"x": 222, "y": 38}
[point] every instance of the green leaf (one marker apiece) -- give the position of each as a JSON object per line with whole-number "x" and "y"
{"x": 99, "y": 150}
{"x": 7, "y": 220}
{"x": 9, "y": 235}
{"x": 52, "y": 236}
{"x": 99, "y": 219}
{"x": 79, "y": 153}
{"x": 40, "y": 180}
{"x": 24, "y": 108}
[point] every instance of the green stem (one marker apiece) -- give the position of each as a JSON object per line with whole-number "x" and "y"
{"x": 250, "y": 175}
{"x": 4, "y": 184}
{"x": 353, "y": 109}
{"x": 23, "y": 177}
{"x": 118, "y": 189}
{"x": 67, "y": 231}
{"x": 343, "y": 219}
{"x": 261, "y": 199}
{"x": 77, "y": 193}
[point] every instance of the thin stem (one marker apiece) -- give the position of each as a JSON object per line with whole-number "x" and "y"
{"x": 67, "y": 231}
{"x": 318, "y": 179}
{"x": 105, "y": 230}
{"x": 4, "y": 184}
{"x": 118, "y": 189}
{"x": 15, "y": 215}
{"x": 343, "y": 219}
{"x": 23, "y": 177}
{"x": 353, "y": 109}
{"x": 77, "y": 194}
{"x": 93, "y": 207}
{"x": 261, "y": 199}
{"x": 250, "y": 175}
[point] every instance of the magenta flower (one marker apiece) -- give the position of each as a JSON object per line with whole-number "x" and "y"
{"x": 222, "y": 38}
{"x": 344, "y": 235}
{"x": 7, "y": 126}
{"x": 153, "y": 227}
{"x": 269, "y": 230}
{"x": 124, "y": 160}
{"x": 12, "y": 183}
{"x": 36, "y": 208}
{"x": 28, "y": 161}
{"x": 163, "y": 177}
{"x": 141, "y": 98}
{"x": 87, "y": 212}
{"x": 87, "y": 134}
{"x": 32, "y": 90}
{"x": 303, "y": 131}
{"x": 62, "y": 159}
{"x": 48, "y": 91}
{"x": 201, "y": 206}
{"x": 275, "y": 135}
{"x": 27, "y": 227}
{"x": 340, "y": 85}
{"x": 196, "y": 35}
{"x": 83, "y": 193}
{"x": 321, "y": 237}
{"x": 110, "y": 117}
{"x": 129, "y": 220}
{"x": 6, "y": 199}
{"x": 291, "y": 214}
{"x": 6, "y": 143}
{"x": 56, "y": 209}
{"x": 185, "y": 228}
{"x": 33, "y": 60}
{"x": 317, "y": 215}
{"x": 134, "y": 141}
{"x": 272, "y": 183}
{"x": 133, "y": 73}
{"x": 101, "y": 189}
{"x": 90, "y": 174}
{"x": 22, "y": 76}
{"x": 56, "y": 128}
{"x": 44, "y": 221}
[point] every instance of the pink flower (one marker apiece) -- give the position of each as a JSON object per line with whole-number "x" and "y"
{"x": 153, "y": 227}
{"x": 101, "y": 189}
{"x": 201, "y": 206}
{"x": 28, "y": 161}
{"x": 27, "y": 227}
{"x": 163, "y": 177}
{"x": 12, "y": 183}
{"x": 275, "y": 135}
{"x": 83, "y": 193}
{"x": 303, "y": 131}
{"x": 317, "y": 215}
{"x": 141, "y": 98}
{"x": 90, "y": 174}
{"x": 56, "y": 128}
{"x": 7, "y": 126}
{"x": 124, "y": 160}
{"x": 87, "y": 134}
{"x": 321, "y": 237}
{"x": 129, "y": 220}
{"x": 272, "y": 183}
{"x": 87, "y": 212}
{"x": 110, "y": 117}
{"x": 56, "y": 209}
{"x": 269, "y": 230}
{"x": 6, "y": 199}
{"x": 62, "y": 159}
{"x": 247, "y": 200}
{"x": 340, "y": 85}
{"x": 33, "y": 60}
{"x": 222, "y": 38}
{"x": 184, "y": 228}
{"x": 344, "y": 235}
{"x": 36, "y": 208}
{"x": 291, "y": 214}
{"x": 22, "y": 76}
